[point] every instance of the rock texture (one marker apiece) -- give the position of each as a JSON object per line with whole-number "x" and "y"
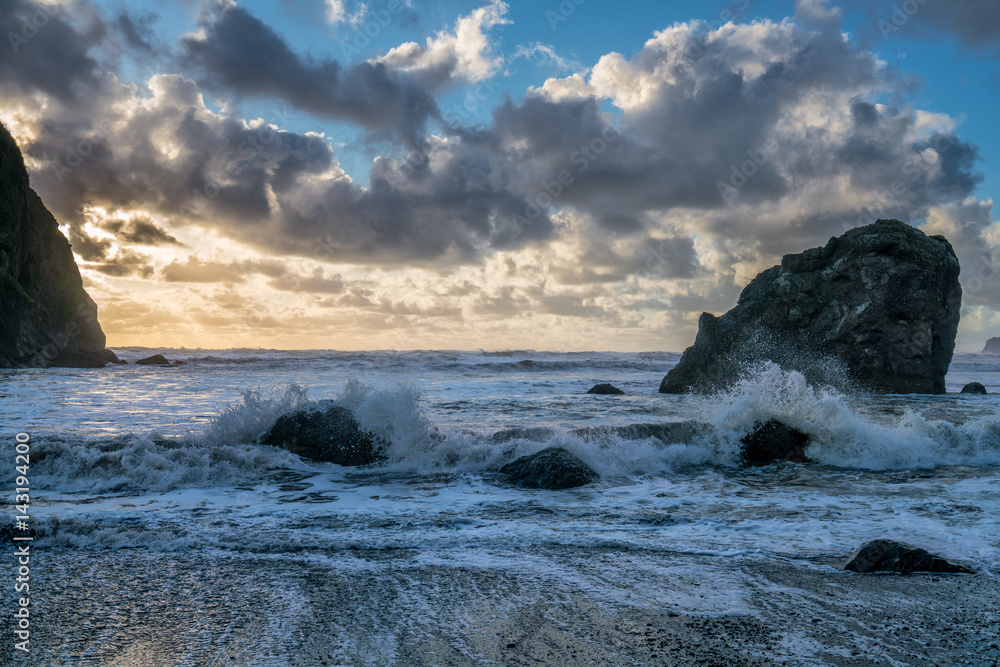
{"x": 552, "y": 468}
{"x": 891, "y": 556}
{"x": 604, "y": 388}
{"x": 882, "y": 300}
{"x": 974, "y": 388}
{"x": 992, "y": 346}
{"x": 46, "y": 317}
{"x": 774, "y": 441}
{"x": 331, "y": 434}
{"x": 155, "y": 360}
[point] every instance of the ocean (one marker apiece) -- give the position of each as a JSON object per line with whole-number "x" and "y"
{"x": 164, "y": 535}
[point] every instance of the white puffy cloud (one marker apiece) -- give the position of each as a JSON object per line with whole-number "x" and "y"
{"x": 466, "y": 52}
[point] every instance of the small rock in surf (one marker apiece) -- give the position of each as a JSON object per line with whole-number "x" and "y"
{"x": 331, "y": 435}
{"x": 155, "y": 360}
{"x": 774, "y": 441}
{"x": 604, "y": 388}
{"x": 552, "y": 468}
{"x": 974, "y": 388}
{"x": 891, "y": 556}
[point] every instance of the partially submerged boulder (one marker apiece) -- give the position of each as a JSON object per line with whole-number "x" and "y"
{"x": 155, "y": 360}
{"x": 666, "y": 432}
{"x": 774, "y": 441}
{"x": 891, "y": 556}
{"x": 604, "y": 388}
{"x": 974, "y": 388}
{"x": 552, "y": 468}
{"x": 883, "y": 300}
{"x": 331, "y": 434}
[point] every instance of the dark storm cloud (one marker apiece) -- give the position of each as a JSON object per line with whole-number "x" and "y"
{"x": 976, "y": 23}
{"x": 236, "y": 52}
{"x": 699, "y": 111}
{"x": 99, "y": 256}
{"x": 43, "y": 51}
{"x": 136, "y": 31}
{"x": 140, "y": 232}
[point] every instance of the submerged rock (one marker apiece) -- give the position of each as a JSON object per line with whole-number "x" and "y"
{"x": 883, "y": 300}
{"x": 46, "y": 317}
{"x": 891, "y": 556}
{"x": 552, "y": 468}
{"x": 667, "y": 432}
{"x": 774, "y": 441}
{"x": 155, "y": 360}
{"x": 604, "y": 388}
{"x": 331, "y": 434}
{"x": 992, "y": 346}
{"x": 974, "y": 388}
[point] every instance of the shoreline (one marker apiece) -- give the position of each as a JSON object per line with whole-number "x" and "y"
{"x": 546, "y": 605}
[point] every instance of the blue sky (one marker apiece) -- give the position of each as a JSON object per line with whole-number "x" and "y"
{"x": 336, "y": 173}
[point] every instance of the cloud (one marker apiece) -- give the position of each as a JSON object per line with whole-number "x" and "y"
{"x": 194, "y": 270}
{"x": 662, "y": 180}
{"x": 44, "y": 50}
{"x": 545, "y": 54}
{"x": 235, "y": 52}
{"x": 975, "y": 23}
{"x": 464, "y": 53}
{"x": 337, "y": 12}
{"x": 140, "y": 232}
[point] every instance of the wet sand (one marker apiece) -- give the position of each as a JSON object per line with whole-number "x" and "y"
{"x": 553, "y": 606}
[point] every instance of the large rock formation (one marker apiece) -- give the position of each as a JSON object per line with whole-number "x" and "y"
{"x": 46, "y": 317}
{"x": 330, "y": 434}
{"x": 882, "y": 301}
{"x": 992, "y": 346}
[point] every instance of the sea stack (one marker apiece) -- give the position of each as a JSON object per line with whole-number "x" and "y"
{"x": 46, "y": 317}
{"x": 992, "y": 346}
{"x": 882, "y": 303}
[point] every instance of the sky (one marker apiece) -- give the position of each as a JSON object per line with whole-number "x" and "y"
{"x": 572, "y": 175}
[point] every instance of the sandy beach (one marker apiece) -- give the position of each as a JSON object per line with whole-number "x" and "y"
{"x": 557, "y": 606}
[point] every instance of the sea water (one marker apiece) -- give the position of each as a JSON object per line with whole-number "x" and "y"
{"x": 160, "y": 466}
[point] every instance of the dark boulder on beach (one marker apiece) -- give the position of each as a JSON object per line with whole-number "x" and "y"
{"x": 992, "y": 346}
{"x": 774, "y": 441}
{"x": 331, "y": 434}
{"x": 604, "y": 388}
{"x": 882, "y": 301}
{"x": 155, "y": 360}
{"x": 552, "y": 468}
{"x": 46, "y": 317}
{"x": 974, "y": 388}
{"x": 891, "y": 556}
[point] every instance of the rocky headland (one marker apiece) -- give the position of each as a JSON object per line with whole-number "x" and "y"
{"x": 877, "y": 307}
{"x": 46, "y": 316}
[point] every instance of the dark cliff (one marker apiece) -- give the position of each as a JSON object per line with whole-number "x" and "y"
{"x": 46, "y": 317}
